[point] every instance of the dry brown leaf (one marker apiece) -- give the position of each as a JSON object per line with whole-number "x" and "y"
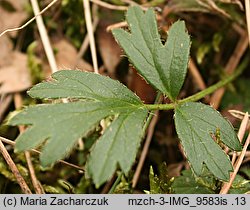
{"x": 13, "y": 19}
{"x": 15, "y": 77}
{"x": 6, "y": 47}
{"x": 109, "y": 49}
{"x": 66, "y": 56}
{"x": 18, "y": 5}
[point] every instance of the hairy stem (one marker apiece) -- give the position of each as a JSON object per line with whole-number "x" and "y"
{"x": 204, "y": 92}
{"x": 151, "y": 115}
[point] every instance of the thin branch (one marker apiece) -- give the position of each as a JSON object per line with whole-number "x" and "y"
{"x": 247, "y": 8}
{"x": 18, "y": 101}
{"x": 230, "y": 67}
{"x": 109, "y": 6}
{"x": 225, "y": 188}
{"x": 116, "y": 25}
{"x": 85, "y": 42}
{"x": 89, "y": 25}
{"x": 20, "y": 180}
{"x": 109, "y": 184}
{"x": 219, "y": 84}
{"x": 150, "y": 124}
{"x": 237, "y": 114}
{"x": 241, "y": 133}
{"x": 5, "y": 102}
{"x": 7, "y": 141}
{"x": 44, "y": 37}
{"x": 197, "y": 76}
{"x": 124, "y": 23}
{"x": 36, "y": 183}
{"x": 213, "y": 6}
{"x": 45, "y": 40}
{"x": 30, "y": 21}
{"x": 130, "y": 2}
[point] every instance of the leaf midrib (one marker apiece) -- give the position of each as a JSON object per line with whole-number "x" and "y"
{"x": 113, "y": 142}
{"x": 162, "y": 77}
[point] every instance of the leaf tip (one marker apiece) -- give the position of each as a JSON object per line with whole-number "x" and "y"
{"x": 45, "y": 162}
{"x": 19, "y": 147}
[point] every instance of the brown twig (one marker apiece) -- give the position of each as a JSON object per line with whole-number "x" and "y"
{"x": 130, "y": 2}
{"x": 247, "y": 9}
{"x": 20, "y": 180}
{"x": 117, "y": 25}
{"x": 196, "y": 75}
{"x": 214, "y": 7}
{"x": 7, "y": 141}
{"x": 194, "y": 71}
{"x": 124, "y": 23}
{"x": 30, "y": 21}
{"x": 145, "y": 149}
{"x": 4, "y": 104}
{"x": 36, "y": 184}
{"x": 241, "y": 133}
{"x": 226, "y": 186}
{"x": 230, "y": 67}
{"x": 237, "y": 114}
{"x": 109, "y": 184}
{"x": 109, "y": 6}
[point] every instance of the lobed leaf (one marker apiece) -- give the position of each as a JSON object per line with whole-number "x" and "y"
{"x": 196, "y": 124}
{"x": 82, "y": 85}
{"x": 162, "y": 65}
{"x": 118, "y": 144}
{"x": 59, "y": 126}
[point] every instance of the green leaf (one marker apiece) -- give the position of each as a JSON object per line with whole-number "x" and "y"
{"x": 161, "y": 184}
{"x": 60, "y": 125}
{"x": 118, "y": 145}
{"x": 186, "y": 184}
{"x": 163, "y": 65}
{"x": 196, "y": 124}
{"x": 83, "y": 85}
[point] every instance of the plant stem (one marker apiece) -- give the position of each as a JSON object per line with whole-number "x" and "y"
{"x": 117, "y": 181}
{"x": 148, "y": 129}
{"x": 20, "y": 180}
{"x": 157, "y": 101}
{"x": 204, "y": 92}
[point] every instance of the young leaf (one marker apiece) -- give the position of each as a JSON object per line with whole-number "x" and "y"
{"x": 196, "y": 124}
{"x": 61, "y": 125}
{"x": 186, "y": 184}
{"x": 159, "y": 184}
{"x": 163, "y": 65}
